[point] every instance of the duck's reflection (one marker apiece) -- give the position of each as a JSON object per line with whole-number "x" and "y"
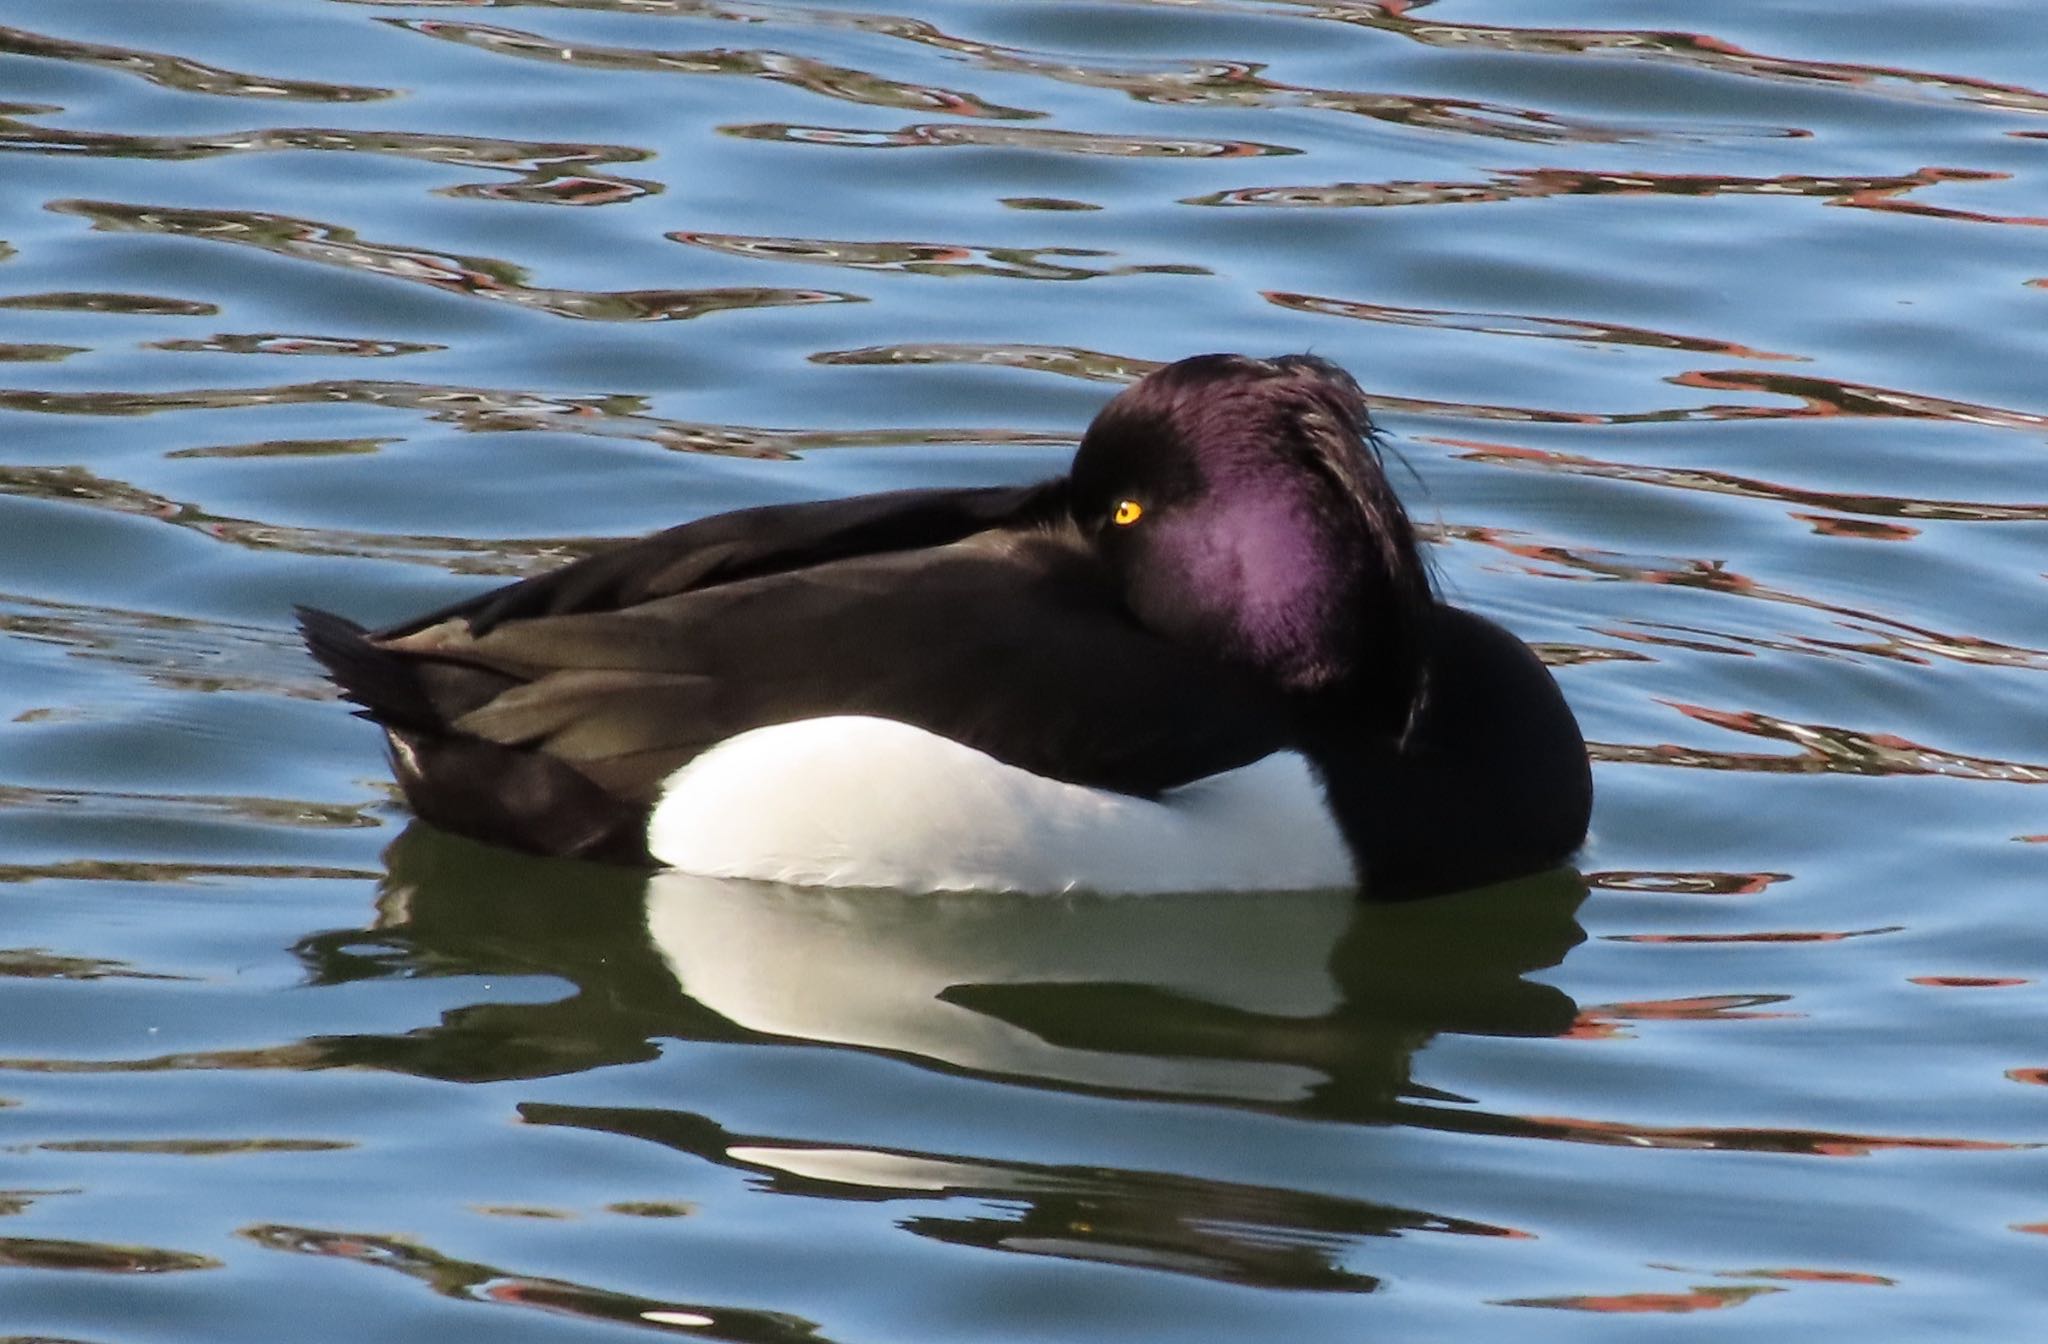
{"x": 1301, "y": 1000}
{"x": 1307, "y": 1005}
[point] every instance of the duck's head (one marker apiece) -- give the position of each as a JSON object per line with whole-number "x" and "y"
{"x": 1242, "y": 508}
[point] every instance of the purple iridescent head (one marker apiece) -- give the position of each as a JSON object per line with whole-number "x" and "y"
{"x": 1242, "y": 506}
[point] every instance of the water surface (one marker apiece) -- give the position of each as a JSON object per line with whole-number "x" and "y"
{"x": 1713, "y": 355}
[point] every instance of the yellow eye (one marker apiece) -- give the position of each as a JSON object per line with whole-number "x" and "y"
{"x": 1128, "y": 511}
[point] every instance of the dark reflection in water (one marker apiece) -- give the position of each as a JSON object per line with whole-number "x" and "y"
{"x": 1823, "y": 749}
{"x": 142, "y": 305}
{"x": 1068, "y": 360}
{"x": 1686, "y": 883}
{"x": 1311, "y": 1007}
{"x": 1712, "y": 1297}
{"x": 37, "y": 353}
{"x": 945, "y": 259}
{"x": 1514, "y": 324}
{"x": 1699, "y": 50}
{"x": 547, "y": 172}
{"x": 1728, "y": 483}
{"x": 278, "y": 343}
{"x": 476, "y": 277}
{"x": 490, "y": 409}
{"x": 1237, "y": 83}
{"x": 287, "y": 448}
{"x": 35, "y": 963}
{"x": 469, "y": 1281}
{"x": 831, "y": 81}
{"x": 77, "y": 486}
{"x": 96, "y": 1256}
{"x": 1826, "y": 398}
{"x": 943, "y": 134}
{"x": 176, "y": 72}
{"x": 1865, "y": 193}
{"x": 1885, "y": 636}
{"x": 180, "y": 653}
{"x": 1257, "y": 1235}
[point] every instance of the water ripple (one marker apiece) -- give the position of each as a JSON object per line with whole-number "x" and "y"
{"x": 944, "y": 259}
{"x": 1699, "y": 50}
{"x": 473, "y": 277}
{"x": 476, "y": 409}
{"x": 1884, "y": 193}
{"x": 97, "y": 1257}
{"x": 469, "y": 1281}
{"x": 1067, "y": 360}
{"x": 1728, "y": 483}
{"x": 813, "y": 76}
{"x": 944, "y": 135}
{"x": 1515, "y": 324}
{"x": 1260, "y": 1236}
{"x": 177, "y": 72}
{"x": 546, "y": 172}
{"x": 1823, "y": 749}
{"x": 1888, "y": 637}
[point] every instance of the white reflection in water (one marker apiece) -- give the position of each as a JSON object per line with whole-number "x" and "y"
{"x": 884, "y": 970}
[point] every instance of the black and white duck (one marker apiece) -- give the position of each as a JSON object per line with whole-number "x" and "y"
{"x": 1208, "y": 657}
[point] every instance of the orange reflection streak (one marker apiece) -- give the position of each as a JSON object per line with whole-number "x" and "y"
{"x": 1626, "y": 1304}
{"x": 1825, "y": 398}
{"x": 1514, "y": 324}
{"x": 1604, "y": 1022}
{"x": 1825, "y": 749}
{"x": 475, "y": 277}
{"x": 1894, "y": 639}
{"x": 1770, "y": 936}
{"x": 548, "y": 172}
{"x": 1697, "y": 1008}
{"x": 1810, "y": 1143}
{"x": 1794, "y": 1275}
{"x": 1969, "y": 981}
{"x": 1685, "y": 883}
{"x": 1861, "y": 529}
{"x": 813, "y": 76}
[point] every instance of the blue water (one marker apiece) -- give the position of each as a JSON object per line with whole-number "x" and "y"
{"x": 1714, "y": 357}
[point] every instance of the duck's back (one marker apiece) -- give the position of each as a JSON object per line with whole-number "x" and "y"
{"x": 549, "y": 715}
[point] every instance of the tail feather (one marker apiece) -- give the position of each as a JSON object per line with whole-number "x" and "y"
{"x": 384, "y": 684}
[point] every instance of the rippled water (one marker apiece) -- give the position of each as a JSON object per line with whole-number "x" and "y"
{"x": 1716, "y": 359}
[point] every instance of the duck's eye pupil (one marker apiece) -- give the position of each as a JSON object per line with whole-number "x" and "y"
{"x": 1128, "y": 511}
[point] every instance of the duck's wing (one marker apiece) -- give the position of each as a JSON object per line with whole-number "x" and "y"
{"x": 746, "y": 543}
{"x": 588, "y": 689}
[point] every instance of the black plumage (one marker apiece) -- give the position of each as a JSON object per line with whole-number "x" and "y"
{"x": 1020, "y": 621}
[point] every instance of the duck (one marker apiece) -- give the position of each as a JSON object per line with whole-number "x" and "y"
{"x": 1211, "y": 656}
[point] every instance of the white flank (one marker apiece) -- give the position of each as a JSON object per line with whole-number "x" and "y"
{"x": 867, "y": 802}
